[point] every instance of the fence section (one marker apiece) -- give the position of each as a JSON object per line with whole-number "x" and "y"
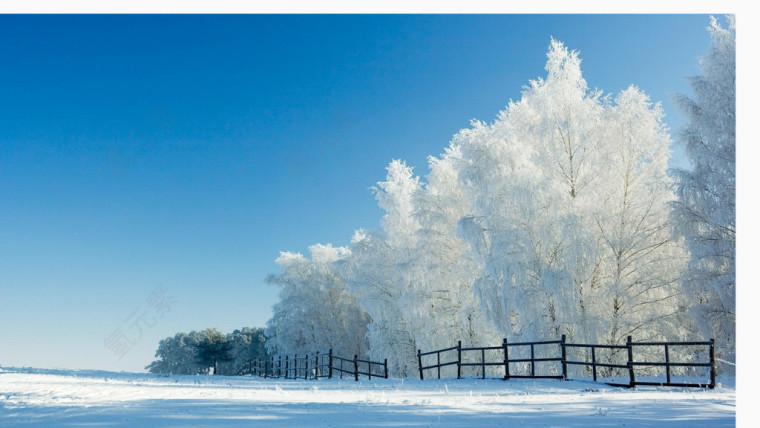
{"x": 667, "y": 346}
{"x": 438, "y": 363}
{"x": 556, "y": 361}
{"x": 315, "y": 367}
{"x": 594, "y": 363}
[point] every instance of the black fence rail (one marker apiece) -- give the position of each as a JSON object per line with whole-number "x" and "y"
{"x": 556, "y": 360}
{"x": 594, "y": 363}
{"x": 314, "y": 367}
{"x": 667, "y": 346}
{"x": 481, "y": 362}
{"x": 438, "y": 364}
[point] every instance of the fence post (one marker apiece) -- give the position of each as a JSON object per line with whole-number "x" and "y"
{"x": 295, "y": 366}
{"x": 483, "y": 362}
{"x": 667, "y": 363}
{"x": 459, "y": 359}
{"x": 266, "y": 368}
{"x": 506, "y": 358}
{"x": 356, "y": 368}
{"x": 316, "y": 367}
{"x": 287, "y": 368}
{"x": 385, "y": 367}
{"x": 306, "y": 367}
{"x": 713, "y": 369}
{"x": 279, "y": 366}
{"x": 593, "y": 361}
{"x": 329, "y": 364}
{"x": 632, "y": 381}
{"x": 564, "y": 358}
{"x": 438, "y": 359}
{"x": 419, "y": 362}
{"x": 533, "y": 362}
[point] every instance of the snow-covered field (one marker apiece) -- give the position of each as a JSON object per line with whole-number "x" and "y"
{"x": 76, "y": 398}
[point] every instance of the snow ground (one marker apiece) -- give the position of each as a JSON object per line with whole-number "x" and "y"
{"x": 75, "y": 398}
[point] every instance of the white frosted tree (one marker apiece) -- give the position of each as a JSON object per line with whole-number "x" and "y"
{"x": 414, "y": 278}
{"x": 444, "y": 268}
{"x": 375, "y": 273}
{"x": 246, "y": 344}
{"x": 178, "y": 355}
{"x": 570, "y": 218}
{"x": 641, "y": 262}
{"x": 705, "y": 211}
{"x": 315, "y": 311}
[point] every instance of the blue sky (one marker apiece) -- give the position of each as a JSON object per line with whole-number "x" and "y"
{"x": 185, "y": 152}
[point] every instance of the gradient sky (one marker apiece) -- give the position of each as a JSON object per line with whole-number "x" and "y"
{"x": 185, "y": 152}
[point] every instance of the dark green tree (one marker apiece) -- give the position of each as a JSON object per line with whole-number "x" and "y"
{"x": 213, "y": 348}
{"x": 177, "y": 355}
{"x": 247, "y": 344}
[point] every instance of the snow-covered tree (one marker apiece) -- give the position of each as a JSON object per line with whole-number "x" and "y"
{"x": 569, "y": 211}
{"x": 640, "y": 260}
{"x": 444, "y": 268}
{"x": 245, "y": 344}
{"x": 315, "y": 312}
{"x": 414, "y": 278}
{"x": 705, "y": 211}
{"x": 375, "y": 272}
{"x": 177, "y": 355}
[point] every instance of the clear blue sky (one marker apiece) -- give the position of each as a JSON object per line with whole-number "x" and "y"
{"x": 187, "y": 151}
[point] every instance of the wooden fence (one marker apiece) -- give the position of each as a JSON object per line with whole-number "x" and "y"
{"x": 315, "y": 367}
{"x": 557, "y": 362}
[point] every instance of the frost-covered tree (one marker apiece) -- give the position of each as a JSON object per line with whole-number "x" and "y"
{"x": 569, "y": 211}
{"x": 705, "y": 211}
{"x": 245, "y": 344}
{"x": 177, "y": 355}
{"x": 444, "y": 268}
{"x": 414, "y": 278}
{"x": 315, "y": 312}
{"x": 640, "y": 260}
{"x": 375, "y": 273}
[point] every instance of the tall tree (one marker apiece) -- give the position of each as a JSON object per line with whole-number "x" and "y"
{"x": 213, "y": 348}
{"x": 245, "y": 344}
{"x": 375, "y": 272}
{"x": 570, "y": 212}
{"x": 414, "y": 278}
{"x": 315, "y": 311}
{"x": 178, "y": 355}
{"x": 706, "y": 207}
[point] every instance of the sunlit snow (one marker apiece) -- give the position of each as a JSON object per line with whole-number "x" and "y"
{"x": 76, "y": 398}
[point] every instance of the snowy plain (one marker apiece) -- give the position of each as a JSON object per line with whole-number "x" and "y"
{"x": 41, "y": 397}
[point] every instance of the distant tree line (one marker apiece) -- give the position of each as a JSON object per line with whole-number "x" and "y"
{"x": 208, "y": 351}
